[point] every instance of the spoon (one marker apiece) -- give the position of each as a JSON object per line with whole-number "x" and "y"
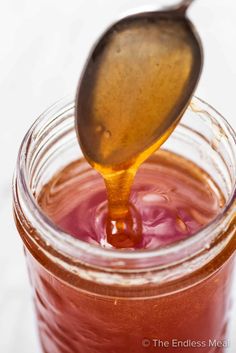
{"x": 137, "y": 83}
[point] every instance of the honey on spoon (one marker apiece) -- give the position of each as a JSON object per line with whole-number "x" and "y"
{"x": 136, "y": 85}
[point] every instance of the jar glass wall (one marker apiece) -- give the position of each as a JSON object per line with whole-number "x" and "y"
{"x": 91, "y": 299}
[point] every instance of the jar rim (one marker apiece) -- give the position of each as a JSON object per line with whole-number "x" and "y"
{"x": 65, "y": 242}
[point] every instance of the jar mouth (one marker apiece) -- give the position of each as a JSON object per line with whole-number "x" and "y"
{"x": 65, "y": 243}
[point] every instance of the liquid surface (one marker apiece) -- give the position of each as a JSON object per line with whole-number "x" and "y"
{"x": 174, "y": 198}
{"x": 135, "y": 88}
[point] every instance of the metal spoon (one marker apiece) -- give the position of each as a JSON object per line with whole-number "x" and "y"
{"x": 136, "y": 85}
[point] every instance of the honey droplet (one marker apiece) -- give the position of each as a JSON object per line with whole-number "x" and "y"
{"x": 125, "y": 232}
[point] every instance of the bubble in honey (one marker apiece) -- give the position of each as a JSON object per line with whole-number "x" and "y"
{"x": 99, "y": 128}
{"x": 107, "y": 134}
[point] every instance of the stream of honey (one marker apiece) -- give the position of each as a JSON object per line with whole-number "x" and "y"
{"x": 135, "y": 89}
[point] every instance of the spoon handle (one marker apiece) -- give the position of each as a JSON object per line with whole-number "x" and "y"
{"x": 184, "y": 5}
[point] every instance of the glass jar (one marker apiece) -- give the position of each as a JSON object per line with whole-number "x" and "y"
{"x": 95, "y": 300}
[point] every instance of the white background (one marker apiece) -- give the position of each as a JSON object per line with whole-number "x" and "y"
{"x": 43, "y": 44}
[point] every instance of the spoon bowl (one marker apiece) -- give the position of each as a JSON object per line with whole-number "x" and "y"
{"x": 135, "y": 87}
